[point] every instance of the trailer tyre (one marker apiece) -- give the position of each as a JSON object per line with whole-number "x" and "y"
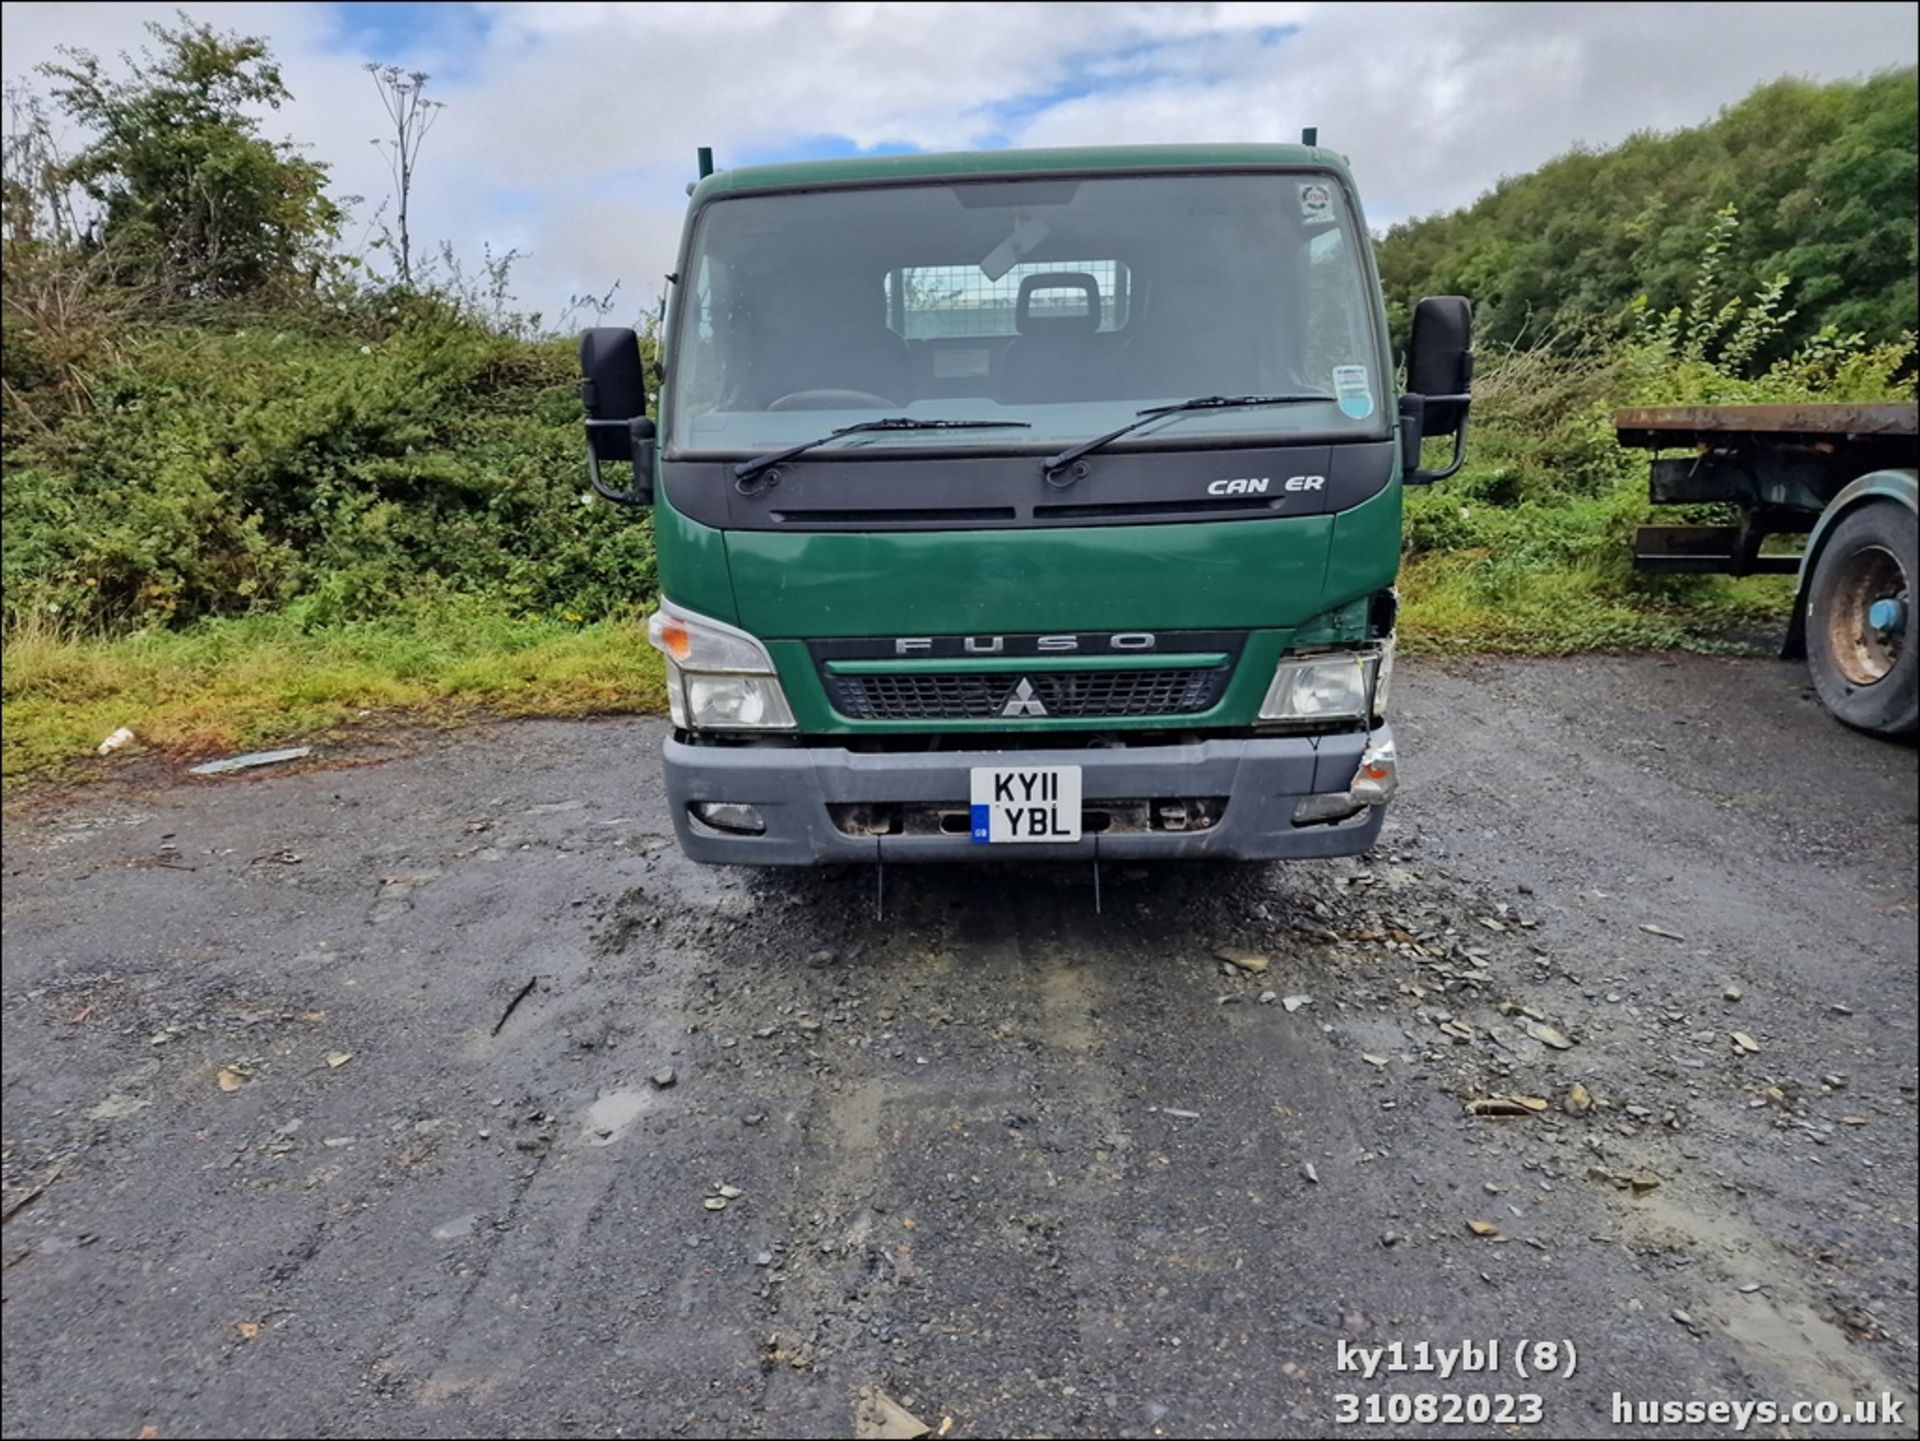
{"x": 1860, "y": 643}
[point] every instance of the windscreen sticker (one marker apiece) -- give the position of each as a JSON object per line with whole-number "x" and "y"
{"x": 1353, "y": 391}
{"x": 1316, "y": 203}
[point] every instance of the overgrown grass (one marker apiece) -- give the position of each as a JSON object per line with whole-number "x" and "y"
{"x": 1469, "y": 601}
{"x": 1497, "y": 561}
{"x": 230, "y": 684}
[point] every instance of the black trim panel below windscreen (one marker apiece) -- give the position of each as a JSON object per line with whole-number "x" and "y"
{"x": 825, "y": 492}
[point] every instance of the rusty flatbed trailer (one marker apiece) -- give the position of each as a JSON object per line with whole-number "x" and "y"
{"x": 1844, "y": 476}
{"x": 1813, "y": 421}
{"x": 1782, "y": 464}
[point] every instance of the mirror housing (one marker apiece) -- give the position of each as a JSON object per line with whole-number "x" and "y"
{"x": 613, "y": 388}
{"x": 1440, "y": 361}
{"x": 1439, "y": 382}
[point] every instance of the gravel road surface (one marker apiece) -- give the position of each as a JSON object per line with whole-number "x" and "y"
{"x": 426, "y": 1090}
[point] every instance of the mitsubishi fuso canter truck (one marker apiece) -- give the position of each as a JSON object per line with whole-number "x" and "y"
{"x": 1038, "y": 503}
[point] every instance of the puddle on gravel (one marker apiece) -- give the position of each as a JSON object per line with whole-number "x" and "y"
{"x": 608, "y": 1117}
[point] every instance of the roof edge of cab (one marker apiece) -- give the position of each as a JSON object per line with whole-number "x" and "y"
{"x": 1007, "y": 164}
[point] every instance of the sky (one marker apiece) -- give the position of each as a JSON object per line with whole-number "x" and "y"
{"x": 570, "y": 130}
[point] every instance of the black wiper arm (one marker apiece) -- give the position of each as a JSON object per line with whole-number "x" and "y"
{"x": 747, "y": 469}
{"x": 1147, "y": 417}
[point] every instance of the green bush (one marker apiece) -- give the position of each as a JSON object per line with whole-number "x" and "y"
{"x": 1825, "y": 172}
{"x": 210, "y": 412}
{"x": 343, "y": 469}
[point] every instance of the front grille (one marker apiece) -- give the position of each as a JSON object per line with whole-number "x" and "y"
{"x": 1060, "y": 694}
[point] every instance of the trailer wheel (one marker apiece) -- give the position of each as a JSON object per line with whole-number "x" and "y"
{"x": 1859, "y": 621}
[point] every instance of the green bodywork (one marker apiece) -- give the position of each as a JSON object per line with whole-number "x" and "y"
{"x": 1305, "y": 580}
{"x": 1285, "y": 581}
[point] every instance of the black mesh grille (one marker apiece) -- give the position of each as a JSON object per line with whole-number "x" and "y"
{"x": 1062, "y": 695}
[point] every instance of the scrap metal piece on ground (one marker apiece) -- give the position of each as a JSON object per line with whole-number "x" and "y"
{"x": 249, "y": 761}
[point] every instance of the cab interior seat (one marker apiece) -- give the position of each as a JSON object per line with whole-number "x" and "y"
{"x": 1059, "y": 353}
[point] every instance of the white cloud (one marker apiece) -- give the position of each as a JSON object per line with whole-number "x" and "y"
{"x": 570, "y": 128}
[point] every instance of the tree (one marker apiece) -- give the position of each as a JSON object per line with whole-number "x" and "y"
{"x": 412, "y": 114}
{"x": 1824, "y": 176}
{"x": 193, "y": 201}
{"x": 36, "y": 203}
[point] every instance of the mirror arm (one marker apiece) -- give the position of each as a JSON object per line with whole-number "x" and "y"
{"x": 601, "y": 488}
{"x": 1413, "y": 417}
{"x": 640, "y": 434}
{"x": 1428, "y": 477}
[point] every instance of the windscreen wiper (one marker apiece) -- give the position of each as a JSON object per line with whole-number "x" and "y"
{"x": 1065, "y": 458}
{"x": 747, "y": 469}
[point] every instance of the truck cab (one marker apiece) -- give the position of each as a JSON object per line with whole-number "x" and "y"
{"x": 1041, "y": 503}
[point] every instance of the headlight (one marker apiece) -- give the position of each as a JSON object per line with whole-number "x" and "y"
{"x": 1321, "y": 687}
{"x": 718, "y": 676}
{"x": 737, "y": 702}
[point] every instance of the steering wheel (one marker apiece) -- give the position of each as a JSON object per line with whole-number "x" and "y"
{"x": 833, "y": 400}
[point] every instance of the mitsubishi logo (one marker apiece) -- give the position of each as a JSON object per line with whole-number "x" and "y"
{"x": 1023, "y": 702}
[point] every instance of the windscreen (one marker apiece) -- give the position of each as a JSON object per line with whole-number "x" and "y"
{"x": 1068, "y": 305}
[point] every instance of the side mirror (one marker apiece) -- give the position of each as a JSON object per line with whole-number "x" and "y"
{"x": 613, "y": 387}
{"x": 1439, "y": 379}
{"x": 1440, "y": 361}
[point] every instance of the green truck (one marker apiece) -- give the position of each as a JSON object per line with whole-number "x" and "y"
{"x": 1038, "y": 503}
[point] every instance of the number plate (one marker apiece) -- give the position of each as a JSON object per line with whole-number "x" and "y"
{"x": 1025, "y": 805}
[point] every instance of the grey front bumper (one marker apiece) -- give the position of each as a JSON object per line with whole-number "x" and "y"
{"x": 1263, "y": 778}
